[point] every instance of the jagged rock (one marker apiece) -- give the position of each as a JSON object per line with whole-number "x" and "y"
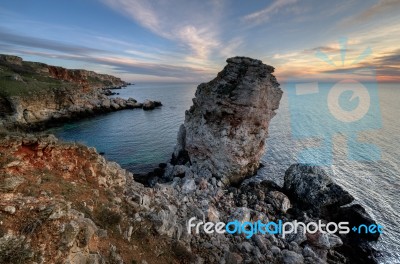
{"x": 179, "y": 171}
{"x": 241, "y": 214}
{"x": 280, "y": 201}
{"x": 225, "y": 130}
{"x": 291, "y": 257}
{"x": 298, "y": 237}
{"x": 313, "y": 189}
{"x": 188, "y": 186}
{"x": 232, "y": 258}
{"x": 324, "y": 240}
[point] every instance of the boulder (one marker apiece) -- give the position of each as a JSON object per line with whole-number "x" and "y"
{"x": 150, "y": 105}
{"x": 312, "y": 189}
{"x": 280, "y": 201}
{"x": 356, "y": 215}
{"x": 291, "y": 257}
{"x": 225, "y": 130}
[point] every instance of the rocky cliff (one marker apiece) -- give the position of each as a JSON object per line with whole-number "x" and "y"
{"x": 225, "y": 130}
{"x": 64, "y": 203}
{"x": 34, "y": 95}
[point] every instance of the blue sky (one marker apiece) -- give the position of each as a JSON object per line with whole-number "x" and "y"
{"x": 189, "y": 41}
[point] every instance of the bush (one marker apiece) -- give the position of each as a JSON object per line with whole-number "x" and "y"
{"x": 108, "y": 218}
{"x": 14, "y": 250}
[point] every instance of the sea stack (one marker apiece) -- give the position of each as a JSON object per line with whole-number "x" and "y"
{"x": 225, "y": 129}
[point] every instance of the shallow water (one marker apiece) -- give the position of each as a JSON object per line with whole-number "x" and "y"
{"x": 139, "y": 140}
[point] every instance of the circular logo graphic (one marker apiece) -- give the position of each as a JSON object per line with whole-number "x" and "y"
{"x": 358, "y": 93}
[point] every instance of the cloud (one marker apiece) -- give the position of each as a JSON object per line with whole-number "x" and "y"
{"x": 122, "y": 65}
{"x": 390, "y": 59}
{"x": 386, "y": 68}
{"x": 34, "y": 42}
{"x": 266, "y": 13}
{"x": 183, "y": 22}
{"x": 380, "y": 10}
{"x": 327, "y": 49}
{"x": 230, "y": 48}
{"x": 146, "y": 63}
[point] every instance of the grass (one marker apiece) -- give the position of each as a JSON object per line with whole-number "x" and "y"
{"x": 33, "y": 82}
{"x": 36, "y": 80}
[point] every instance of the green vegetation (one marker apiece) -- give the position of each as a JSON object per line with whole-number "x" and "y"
{"x": 25, "y": 80}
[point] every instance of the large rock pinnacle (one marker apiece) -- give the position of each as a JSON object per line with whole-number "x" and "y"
{"x": 225, "y": 129}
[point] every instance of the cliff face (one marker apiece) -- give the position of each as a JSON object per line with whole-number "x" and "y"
{"x": 85, "y": 78}
{"x": 33, "y": 94}
{"x": 64, "y": 203}
{"x": 225, "y": 129}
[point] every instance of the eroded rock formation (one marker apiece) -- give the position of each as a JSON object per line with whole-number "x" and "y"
{"x": 225, "y": 130}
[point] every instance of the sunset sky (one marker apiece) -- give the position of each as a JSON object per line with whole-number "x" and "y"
{"x": 189, "y": 41}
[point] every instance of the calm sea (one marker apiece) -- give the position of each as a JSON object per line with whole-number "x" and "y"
{"x": 139, "y": 140}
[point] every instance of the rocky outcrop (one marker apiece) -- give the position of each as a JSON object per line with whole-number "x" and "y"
{"x": 42, "y": 95}
{"x": 150, "y": 105}
{"x": 225, "y": 130}
{"x": 314, "y": 192}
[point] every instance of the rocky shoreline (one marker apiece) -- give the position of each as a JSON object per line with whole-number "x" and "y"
{"x": 55, "y": 95}
{"x": 148, "y": 223}
{"x": 102, "y": 105}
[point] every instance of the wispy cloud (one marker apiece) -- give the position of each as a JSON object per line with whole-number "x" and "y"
{"x": 124, "y": 65}
{"x": 380, "y": 10}
{"x": 266, "y": 13}
{"x": 196, "y": 34}
{"x": 141, "y": 64}
{"x": 34, "y": 42}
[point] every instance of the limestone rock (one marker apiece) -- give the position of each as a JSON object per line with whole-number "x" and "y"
{"x": 225, "y": 130}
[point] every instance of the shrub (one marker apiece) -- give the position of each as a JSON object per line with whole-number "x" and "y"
{"x": 108, "y": 218}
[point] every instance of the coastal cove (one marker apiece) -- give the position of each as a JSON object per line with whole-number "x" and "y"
{"x": 139, "y": 140}
{"x": 199, "y": 132}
